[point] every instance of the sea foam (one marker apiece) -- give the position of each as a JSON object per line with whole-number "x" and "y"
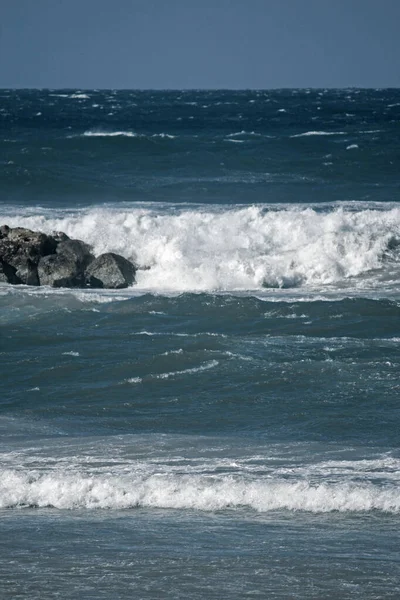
{"x": 66, "y": 490}
{"x": 243, "y": 248}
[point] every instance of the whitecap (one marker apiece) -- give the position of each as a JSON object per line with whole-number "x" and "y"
{"x": 109, "y": 134}
{"x": 134, "y": 380}
{"x": 80, "y": 96}
{"x": 204, "y": 367}
{"x": 312, "y": 133}
{"x": 73, "y": 490}
{"x": 164, "y": 135}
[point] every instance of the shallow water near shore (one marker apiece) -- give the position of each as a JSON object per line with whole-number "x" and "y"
{"x": 229, "y": 425}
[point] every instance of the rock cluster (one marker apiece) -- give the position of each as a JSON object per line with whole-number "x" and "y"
{"x": 34, "y": 258}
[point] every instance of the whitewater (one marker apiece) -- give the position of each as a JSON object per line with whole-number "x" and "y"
{"x": 239, "y": 248}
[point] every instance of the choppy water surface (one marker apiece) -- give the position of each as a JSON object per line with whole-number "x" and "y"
{"x": 228, "y": 426}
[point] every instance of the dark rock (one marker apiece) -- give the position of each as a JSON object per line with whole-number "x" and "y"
{"x": 34, "y": 258}
{"x": 77, "y": 250}
{"x": 59, "y": 270}
{"x": 37, "y": 243}
{"x": 7, "y": 274}
{"x": 60, "y": 236}
{"x": 110, "y": 271}
{"x": 27, "y": 273}
{"x": 4, "y": 229}
{"x": 22, "y": 249}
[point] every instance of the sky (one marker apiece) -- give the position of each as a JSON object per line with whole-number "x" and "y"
{"x": 186, "y": 44}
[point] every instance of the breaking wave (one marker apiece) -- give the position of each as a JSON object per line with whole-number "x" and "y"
{"x": 241, "y": 248}
{"x": 311, "y": 133}
{"x": 200, "y": 492}
{"x": 129, "y": 134}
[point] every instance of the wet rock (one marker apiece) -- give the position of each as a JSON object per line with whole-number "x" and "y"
{"x": 110, "y": 271}
{"x": 59, "y": 270}
{"x": 60, "y": 236}
{"x": 20, "y": 252}
{"x": 27, "y": 272}
{"x": 66, "y": 268}
{"x": 77, "y": 250}
{"x": 34, "y": 258}
{"x": 7, "y": 274}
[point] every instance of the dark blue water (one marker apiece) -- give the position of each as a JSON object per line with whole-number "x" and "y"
{"x": 229, "y": 426}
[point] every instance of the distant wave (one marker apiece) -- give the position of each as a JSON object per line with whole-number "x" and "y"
{"x": 110, "y": 134}
{"x": 130, "y": 134}
{"x": 80, "y": 96}
{"x": 69, "y": 490}
{"x": 192, "y": 371}
{"x": 310, "y": 133}
{"x": 243, "y": 133}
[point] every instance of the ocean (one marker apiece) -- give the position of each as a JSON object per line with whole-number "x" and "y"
{"x": 228, "y": 427}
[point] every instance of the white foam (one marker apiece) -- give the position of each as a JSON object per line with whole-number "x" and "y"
{"x": 311, "y": 133}
{"x": 129, "y": 134}
{"x": 171, "y": 374}
{"x": 109, "y": 134}
{"x": 79, "y": 96}
{"x": 352, "y": 147}
{"x": 68, "y": 490}
{"x": 204, "y": 367}
{"x": 164, "y": 135}
{"x": 241, "y": 248}
{"x": 241, "y": 133}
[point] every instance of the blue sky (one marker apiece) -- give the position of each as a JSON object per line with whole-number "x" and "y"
{"x": 177, "y": 44}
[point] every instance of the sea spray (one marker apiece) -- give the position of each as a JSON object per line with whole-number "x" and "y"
{"x": 237, "y": 248}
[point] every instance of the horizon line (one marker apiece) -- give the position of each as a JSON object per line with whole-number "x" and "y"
{"x": 202, "y": 89}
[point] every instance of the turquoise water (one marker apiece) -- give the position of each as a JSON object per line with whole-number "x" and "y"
{"x": 229, "y": 426}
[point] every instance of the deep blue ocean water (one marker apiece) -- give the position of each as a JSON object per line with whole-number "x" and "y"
{"x": 229, "y": 426}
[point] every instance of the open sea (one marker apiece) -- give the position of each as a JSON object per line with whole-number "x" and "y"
{"x": 229, "y": 427}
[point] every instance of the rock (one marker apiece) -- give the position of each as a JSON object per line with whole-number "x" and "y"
{"x": 7, "y": 274}
{"x": 77, "y": 250}
{"x": 59, "y": 270}
{"x": 34, "y": 258}
{"x": 110, "y": 271}
{"x": 27, "y": 272}
{"x": 4, "y": 229}
{"x": 66, "y": 268}
{"x": 21, "y": 249}
{"x": 60, "y": 236}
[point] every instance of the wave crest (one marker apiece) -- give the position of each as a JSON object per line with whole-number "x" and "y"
{"x": 236, "y": 249}
{"x": 206, "y": 493}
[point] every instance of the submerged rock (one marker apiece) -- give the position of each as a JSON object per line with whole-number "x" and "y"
{"x": 110, "y": 271}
